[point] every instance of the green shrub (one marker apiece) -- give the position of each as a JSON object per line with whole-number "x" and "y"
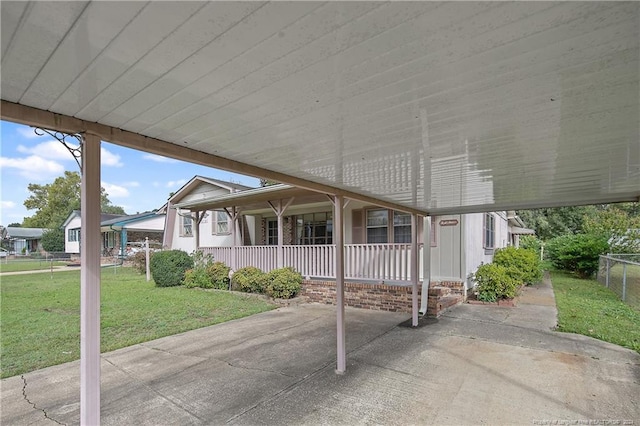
{"x": 249, "y": 279}
{"x": 53, "y": 240}
{"x": 218, "y": 274}
{"x": 577, "y": 253}
{"x": 283, "y": 283}
{"x": 168, "y": 267}
{"x": 494, "y": 282}
{"x": 531, "y": 242}
{"x": 197, "y": 277}
{"x": 523, "y": 265}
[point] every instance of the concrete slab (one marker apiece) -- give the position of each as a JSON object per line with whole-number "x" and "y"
{"x": 476, "y": 364}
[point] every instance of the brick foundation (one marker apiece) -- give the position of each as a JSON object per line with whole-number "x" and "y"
{"x": 385, "y": 297}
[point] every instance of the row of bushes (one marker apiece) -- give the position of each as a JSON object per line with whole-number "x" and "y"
{"x": 511, "y": 268}
{"x": 175, "y": 267}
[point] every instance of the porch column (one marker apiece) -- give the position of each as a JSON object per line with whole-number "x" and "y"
{"x": 90, "y": 283}
{"x": 338, "y": 235}
{"x": 279, "y": 210}
{"x": 426, "y": 264}
{"x": 196, "y": 227}
{"x": 414, "y": 269}
{"x": 233, "y": 214}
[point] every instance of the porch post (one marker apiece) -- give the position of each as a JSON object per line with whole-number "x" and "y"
{"x": 426, "y": 264}
{"x": 414, "y": 270}
{"x": 280, "y": 235}
{"x": 338, "y": 235}
{"x": 90, "y": 283}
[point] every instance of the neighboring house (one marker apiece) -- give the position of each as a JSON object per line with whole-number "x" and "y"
{"x": 119, "y": 233}
{"x": 187, "y": 230}
{"x": 23, "y": 240}
{"x": 377, "y": 240}
{"x": 71, "y": 228}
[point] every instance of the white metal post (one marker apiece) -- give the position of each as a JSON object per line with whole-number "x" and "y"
{"x": 414, "y": 270}
{"x": 426, "y": 264}
{"x": 147, "y": 256}
{"x": 280, "y": 235}
{"x": 624, "y": 282}
{"x": 338, "y": 235}
{"x": 90, "y": 283}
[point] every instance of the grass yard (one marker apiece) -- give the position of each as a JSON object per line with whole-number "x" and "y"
{"x": 588, "y": 308}
{"x": 41, "y": 315}
{"x": 27, "y": 265}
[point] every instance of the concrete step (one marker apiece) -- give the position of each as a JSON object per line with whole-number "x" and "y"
{"x": 439, "y": 291}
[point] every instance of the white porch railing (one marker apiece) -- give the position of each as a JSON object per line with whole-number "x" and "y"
{"x": 380, "y": 262}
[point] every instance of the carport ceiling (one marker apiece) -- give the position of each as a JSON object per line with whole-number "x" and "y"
{"x": 439, "y": 107}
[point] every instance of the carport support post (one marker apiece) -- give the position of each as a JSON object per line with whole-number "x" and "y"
{"x": 90, "y": 283}
{"x": 414, "y": 270}
{"x": 338, "y": 235}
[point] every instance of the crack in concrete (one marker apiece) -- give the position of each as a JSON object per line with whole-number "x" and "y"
{"x": 253, "y": 368}
{"x": 160, "y": 394}
{"x": 26, "y": 398}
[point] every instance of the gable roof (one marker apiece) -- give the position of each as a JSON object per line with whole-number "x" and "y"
{"x": 24, "y": 233}
{"x": 103, "y": 217}
{"x": 197, "y": 180}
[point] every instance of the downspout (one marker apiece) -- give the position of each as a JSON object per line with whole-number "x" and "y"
{"x": 426, "y": 264}
{"x": 463, "y": 254}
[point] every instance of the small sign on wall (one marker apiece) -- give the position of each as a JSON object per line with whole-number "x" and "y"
{"x": 448, "y": 222}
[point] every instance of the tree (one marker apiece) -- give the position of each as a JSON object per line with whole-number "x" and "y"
{"x": 53, "y": 202}
{"x": 14, "y": 225}
{"x": 53, "y": 240}
{"x": 553, "y": 222}
{"x": 617, "y": 225}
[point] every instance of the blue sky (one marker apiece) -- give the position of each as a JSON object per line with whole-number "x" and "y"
{"x": 135, "y": 180}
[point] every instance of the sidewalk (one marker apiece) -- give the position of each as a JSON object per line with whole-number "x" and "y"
{"x": 475, "y": 365}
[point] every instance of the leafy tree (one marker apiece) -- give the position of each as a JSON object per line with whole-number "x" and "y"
{"x": 54, "y": 201}
{"x": 553, "y": 222}
{"x": 14, "y": 225}
{"x": 577, "y": 252}
{"x": 618, "y": 225}
{"x": 267, "y": 182}
{"x": 53, "y": 240}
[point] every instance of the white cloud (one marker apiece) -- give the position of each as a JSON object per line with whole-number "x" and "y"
{"x": 50, "y": 150}
{"x": 115, "y": 191}
{"x": 159, "y": 158}
{"x": 7, "y": 204}
{"x": 33, "y": 167}
{"x": 176, "y": 183}
{"x": 54, "y": 150}
{"x": 131, "y": 184}
{"x": 28, "y": 132}
{"x": 108, "y": 158}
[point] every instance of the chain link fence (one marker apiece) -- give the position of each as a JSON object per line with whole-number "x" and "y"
{"x": 621, "y": 274}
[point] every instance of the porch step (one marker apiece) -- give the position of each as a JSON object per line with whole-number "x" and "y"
{"x": 437, "y": 305}
{"x": 439, "y": 291}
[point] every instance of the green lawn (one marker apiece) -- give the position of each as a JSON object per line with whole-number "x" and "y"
{"x": 27, "y": 265}
{"x": 586, "y": 307}
{"x": 41, "y": 315}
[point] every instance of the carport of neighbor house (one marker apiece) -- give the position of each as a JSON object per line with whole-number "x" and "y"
{"x": 476, "y": 364}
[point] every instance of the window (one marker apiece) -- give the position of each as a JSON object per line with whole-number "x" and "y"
{"x": 109, "y": 239}
{"x": 221, "y": 223}
{"x": 314, "y": 228}
{"x": 401, "y": 228}
{"x": 377, "y": 226}
{"x": 187, "y": 226}
{"x": 74, "y": 235}
{"x": 272, "y": 232}
{"x": 489, "y": 231}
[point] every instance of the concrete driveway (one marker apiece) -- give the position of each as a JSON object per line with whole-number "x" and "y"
{"x": 475, "y": 365}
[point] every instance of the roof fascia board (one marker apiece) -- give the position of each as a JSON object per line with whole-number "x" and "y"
{"x": 36, "y": 117}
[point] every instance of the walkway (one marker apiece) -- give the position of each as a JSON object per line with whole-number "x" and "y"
{"x": 475, "y": 365}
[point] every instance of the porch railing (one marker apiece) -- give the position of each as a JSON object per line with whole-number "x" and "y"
{"x": 380, "y": 262}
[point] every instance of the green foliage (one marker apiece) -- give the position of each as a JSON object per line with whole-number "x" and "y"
{"x": 53, "y": 240}
{"x": 249, "y": 279}
{"x": 197, "y": 277}
{"x": 218, "y": 274}
{"x": 283, "y": 283}
{"x": 618, "y": 226}
{"x": 577, "y": 253}
{"x": 531, "y": 242}
{"x": 168, "y": 267}
{"x": 523, "y": 265}
{"x": 494, "y": 282}
{"x": 54, "y": 201}
{"x": 552, "y": 222}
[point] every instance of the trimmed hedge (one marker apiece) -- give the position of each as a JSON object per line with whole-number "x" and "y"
{"x": 523, "y": 265}
{"x": 495, "y": 282}
{"x": 579, "y": 253}
{"x": 283, "y": 283}
{"x": 168, "y": 268}
{"x": 249, "y": 279}
{"x": 218, "y": 274}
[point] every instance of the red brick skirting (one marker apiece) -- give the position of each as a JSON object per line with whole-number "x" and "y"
{"x": 384, "y": 297}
